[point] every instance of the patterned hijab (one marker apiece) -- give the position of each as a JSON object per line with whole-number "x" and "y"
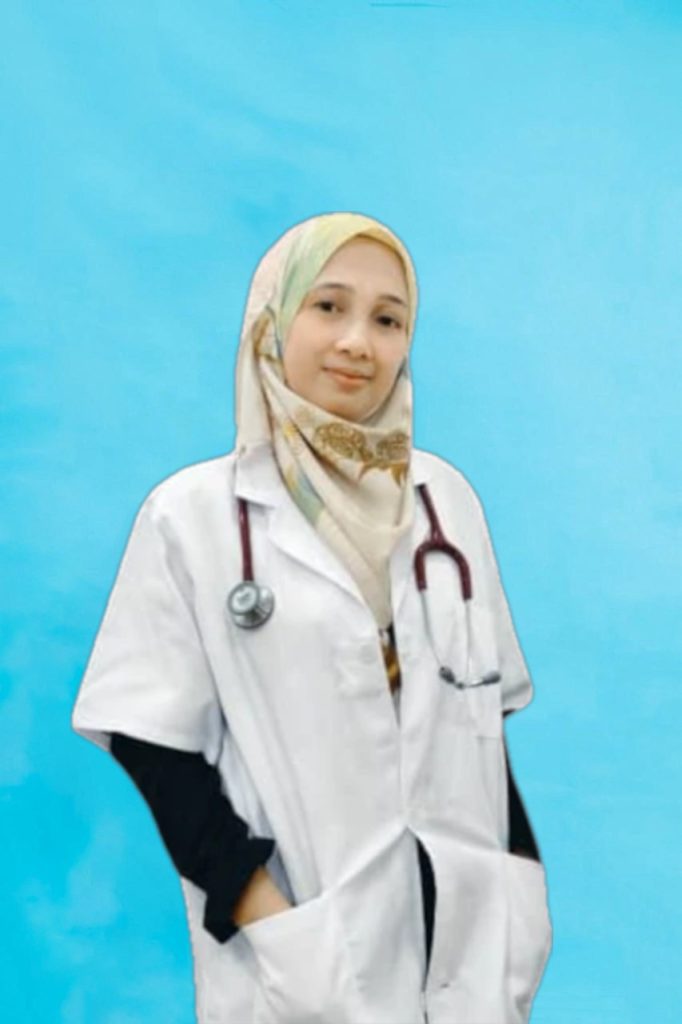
{"x": 351, "y": 479}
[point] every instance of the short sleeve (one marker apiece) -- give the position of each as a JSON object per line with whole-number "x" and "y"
{"x": 148, "y": 675}
{"x": 517, "y": 686}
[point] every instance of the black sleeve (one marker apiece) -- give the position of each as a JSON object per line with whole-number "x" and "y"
{"x": 206, "y": 839}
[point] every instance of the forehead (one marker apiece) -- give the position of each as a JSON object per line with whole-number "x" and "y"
{"x": 365, "y": 258}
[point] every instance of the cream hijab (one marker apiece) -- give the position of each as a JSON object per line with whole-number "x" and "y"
{"x": 351, "y": 479}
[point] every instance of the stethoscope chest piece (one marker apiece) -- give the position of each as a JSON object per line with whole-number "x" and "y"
{"x": 250, "y": 604}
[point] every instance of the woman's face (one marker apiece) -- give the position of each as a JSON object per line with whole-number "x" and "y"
{"x": 349, "y": 336}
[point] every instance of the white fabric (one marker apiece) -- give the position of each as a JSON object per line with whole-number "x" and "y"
{"x": 298, "y": 718}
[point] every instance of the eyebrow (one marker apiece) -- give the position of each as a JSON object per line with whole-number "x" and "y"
{"x": 347, "y": 288}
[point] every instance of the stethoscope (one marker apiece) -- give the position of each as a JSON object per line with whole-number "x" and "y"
{"x": 251, "y": 604}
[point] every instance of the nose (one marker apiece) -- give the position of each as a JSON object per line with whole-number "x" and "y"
{"x": 355, "y": 339}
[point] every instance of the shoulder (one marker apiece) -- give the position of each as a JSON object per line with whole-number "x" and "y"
{"x": 193, "y": 487}
{"x": 443, "y": 475}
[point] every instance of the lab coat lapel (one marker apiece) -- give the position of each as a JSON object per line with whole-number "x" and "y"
{"x": 402, "y": 558}
{"x": 294, "y": 534}
{"x": 258, "y": 480}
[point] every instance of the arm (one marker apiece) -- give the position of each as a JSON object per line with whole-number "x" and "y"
{"x": 205, "y": 838}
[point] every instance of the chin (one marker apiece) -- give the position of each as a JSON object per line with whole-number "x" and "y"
{"x": 343, "y": 412}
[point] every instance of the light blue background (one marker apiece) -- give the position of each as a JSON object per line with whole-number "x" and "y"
{"x": 530, "y": 155}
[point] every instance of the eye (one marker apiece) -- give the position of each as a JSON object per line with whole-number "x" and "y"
{"x": 326, "y": 305}
{"x": 389, "y": 321}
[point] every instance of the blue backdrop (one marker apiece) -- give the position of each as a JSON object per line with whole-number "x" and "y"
{"x": 530, "y": 155}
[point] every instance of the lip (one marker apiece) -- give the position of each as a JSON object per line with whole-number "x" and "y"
{"x": 350, "y": 379}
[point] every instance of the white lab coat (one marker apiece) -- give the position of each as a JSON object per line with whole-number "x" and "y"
{"x": 298, "y": 717}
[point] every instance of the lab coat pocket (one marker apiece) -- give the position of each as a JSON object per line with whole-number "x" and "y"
{"x": 304, "y": 976}
{"x": 484, "y": 702}
{"x": 529, "y": 931}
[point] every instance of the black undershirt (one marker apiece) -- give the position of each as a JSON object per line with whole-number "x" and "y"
{"x": 205, "y": 838}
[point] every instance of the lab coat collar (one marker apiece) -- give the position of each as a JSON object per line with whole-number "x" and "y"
{"x": 258, "y": 480}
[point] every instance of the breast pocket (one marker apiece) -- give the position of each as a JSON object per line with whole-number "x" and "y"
{"x": 465, "y": 777}
{"x": 484, "y": 700}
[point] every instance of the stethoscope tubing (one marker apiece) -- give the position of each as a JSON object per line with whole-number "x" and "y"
{"x": 245, "y": 535}
{"x": 437, "y": 541}
{"x": 251, "y": 605}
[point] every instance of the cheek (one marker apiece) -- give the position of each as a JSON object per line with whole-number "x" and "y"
{"x": 392, "y": 360}
{"x": 301, "y": 357}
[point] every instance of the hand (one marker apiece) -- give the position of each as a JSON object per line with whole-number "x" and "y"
{"x": 260, "y": 898}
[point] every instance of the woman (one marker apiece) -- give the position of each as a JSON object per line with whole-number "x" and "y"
{"x": 329, "y": 776}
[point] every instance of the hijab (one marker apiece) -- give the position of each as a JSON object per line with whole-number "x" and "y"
{"x": 350, "y": 479}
